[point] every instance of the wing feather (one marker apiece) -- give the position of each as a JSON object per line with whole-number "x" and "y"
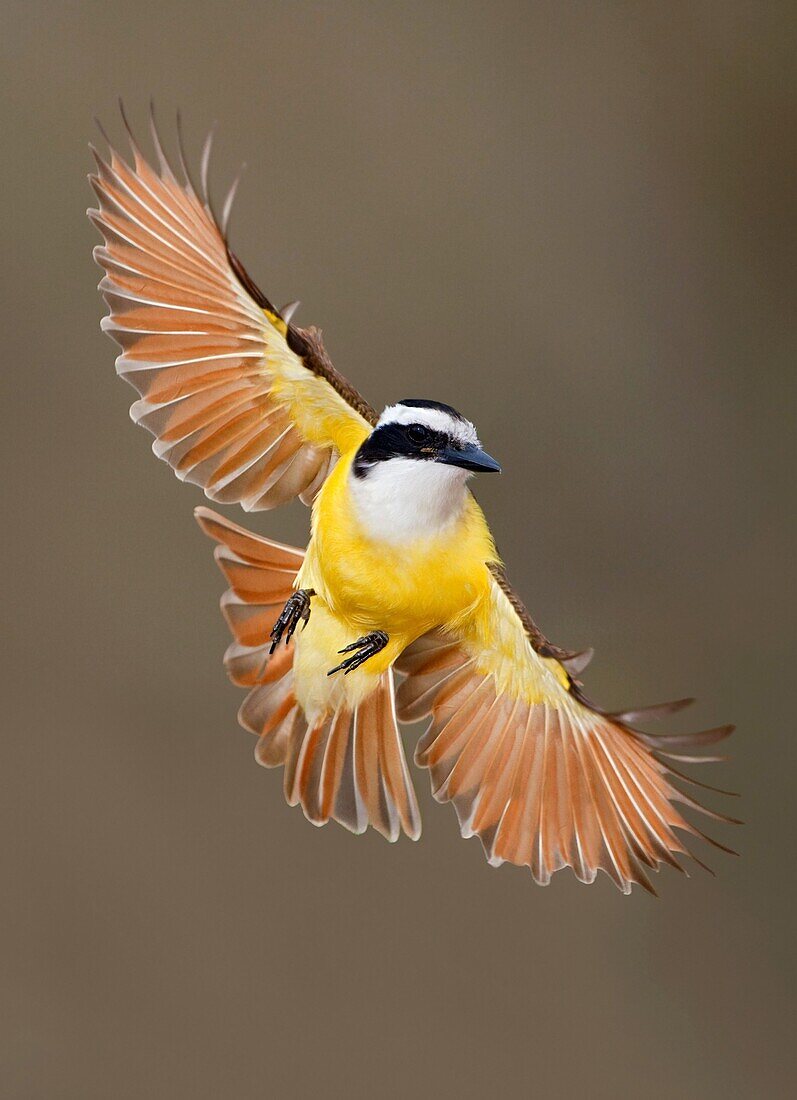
{"x": 542, "y": 777}
{"x": 240, "y": 402}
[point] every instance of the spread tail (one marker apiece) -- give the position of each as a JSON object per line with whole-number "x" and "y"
{"x": 347, "y": 764}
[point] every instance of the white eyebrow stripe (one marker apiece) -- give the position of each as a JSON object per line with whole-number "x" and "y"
{"x": 436, "y": 419}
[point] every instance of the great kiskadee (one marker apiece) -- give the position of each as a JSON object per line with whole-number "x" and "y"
{"x": 404, "y": 605}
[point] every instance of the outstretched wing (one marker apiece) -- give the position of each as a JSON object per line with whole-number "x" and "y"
{"x": 542, "y": 776}
{"x": 240, "y": 401}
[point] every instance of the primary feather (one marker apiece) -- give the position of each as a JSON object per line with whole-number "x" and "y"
{"x": 239, "y": 402}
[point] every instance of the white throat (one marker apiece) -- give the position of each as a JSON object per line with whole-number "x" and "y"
{"x": 401, "y": 500}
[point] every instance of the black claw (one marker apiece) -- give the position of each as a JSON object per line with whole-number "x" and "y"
{"x": 296, "y": 610}
{"x": 303, "y": 616}
{"x": 367, "y": 646}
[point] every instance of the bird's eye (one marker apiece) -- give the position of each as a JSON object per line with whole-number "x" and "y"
{"x": 416, "y": 433}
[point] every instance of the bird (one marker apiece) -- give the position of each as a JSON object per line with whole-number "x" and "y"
{"x": 399, "y": 609}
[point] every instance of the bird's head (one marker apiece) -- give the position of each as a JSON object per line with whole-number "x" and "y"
{"x": 408, "y": 477}
{"x": 415, "y": 431}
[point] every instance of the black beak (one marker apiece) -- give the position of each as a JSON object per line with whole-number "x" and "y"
{"x": 470, "y": 457}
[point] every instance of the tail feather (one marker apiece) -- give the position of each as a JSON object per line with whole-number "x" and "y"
{"x": 347, "y": 765}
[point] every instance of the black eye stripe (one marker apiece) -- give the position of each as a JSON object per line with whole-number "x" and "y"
{"x": 423, "y": 435}
{"x": 401, "y": 441}
{"x": 418, "y": 433}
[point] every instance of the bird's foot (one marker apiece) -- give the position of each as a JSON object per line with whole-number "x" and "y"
{"x": 296, "y": 610}
{"x": 361, "y": 650}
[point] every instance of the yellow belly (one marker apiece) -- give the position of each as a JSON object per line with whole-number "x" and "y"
{"x": 363, "y": 584}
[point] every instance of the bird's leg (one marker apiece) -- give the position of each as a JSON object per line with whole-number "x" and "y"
{"x": 365, "y": 647}
{"x": 295, "y": 610}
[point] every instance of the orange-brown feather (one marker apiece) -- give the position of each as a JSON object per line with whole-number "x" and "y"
{"x": 232, "y": 406}
{"x": 545, "y": 782}
{"x": 348, "y": 763}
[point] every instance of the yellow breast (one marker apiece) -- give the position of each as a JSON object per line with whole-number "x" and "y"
{"x": 404, "y": 588}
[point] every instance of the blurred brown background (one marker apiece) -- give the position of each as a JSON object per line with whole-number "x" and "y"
{"x": 574, "y": 221}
